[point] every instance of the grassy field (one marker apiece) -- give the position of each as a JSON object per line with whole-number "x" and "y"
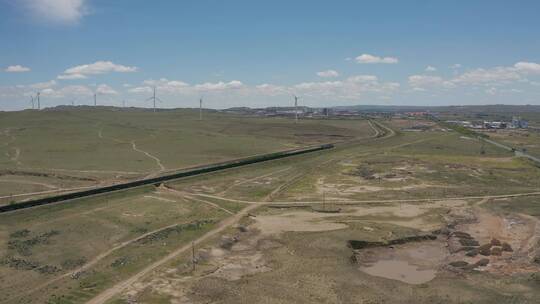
{"x": 77, "y": 147}
{"x": 290, "y": 246}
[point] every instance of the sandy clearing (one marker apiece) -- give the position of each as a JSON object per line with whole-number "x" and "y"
{"x": 296, "y": 221}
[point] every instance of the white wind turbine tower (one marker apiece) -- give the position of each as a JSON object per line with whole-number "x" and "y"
{"x": 296, "y": 108}
{"x": 154, "y": 98}
{"x": 200, "y": 108}
{"x": 95, "y": 99}
{"x": 32, "y": 101}
{"x": 38, "y": 101}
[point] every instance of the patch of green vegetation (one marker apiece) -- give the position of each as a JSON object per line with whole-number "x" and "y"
{"x": 529, "y": 205}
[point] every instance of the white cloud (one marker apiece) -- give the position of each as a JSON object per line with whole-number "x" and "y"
{"x": 76, "y": 90}
{"x": 489, "y": 77}
{"x": 423, "y": 81}
{"x": 43, "y": 85}
{"x": 16, "y": 69}
{"x": 495, "y": 75}
{"x": 208, "y": 86}
{"x": 104, "y": 89}
{"x": 67, "y": 91}
{"x": 363, "y": 78}
{"x": 527, "y": 67}
{"x": 491, "y": 91}
{"x": 138, "y": 90}
{"x": 271, "y": 89}
{"x": 98, "y": 67}
{"x": 71, "y": 76}
{"x": 430, "y": 68}
{"x": 328, "y": 74}
{"x": 367, "y": 58}
{"x": 59, "y": 11}
{"x": 351, "y": 88}
{"x": 167, "y": 86}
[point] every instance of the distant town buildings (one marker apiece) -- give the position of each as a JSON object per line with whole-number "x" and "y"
{"x": 516, "y": 123}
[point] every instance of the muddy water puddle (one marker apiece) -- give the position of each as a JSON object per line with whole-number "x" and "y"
{"x": 414, "y": 263}
{"x": 401, "y": 271}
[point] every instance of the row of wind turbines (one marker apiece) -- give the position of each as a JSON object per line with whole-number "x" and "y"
{"x": 36, "y": 99}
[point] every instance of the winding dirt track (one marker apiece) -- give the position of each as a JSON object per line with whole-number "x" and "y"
{"x": 157, "y": 160}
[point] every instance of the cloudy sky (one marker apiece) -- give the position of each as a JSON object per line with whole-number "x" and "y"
{"x": 259, "y": 53}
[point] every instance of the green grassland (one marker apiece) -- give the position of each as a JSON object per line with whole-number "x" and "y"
{"x": 84, "y": 146}
{"x": 69, "y": 139}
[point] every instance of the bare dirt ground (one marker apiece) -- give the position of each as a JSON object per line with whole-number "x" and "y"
{"x": 244, "y": 253}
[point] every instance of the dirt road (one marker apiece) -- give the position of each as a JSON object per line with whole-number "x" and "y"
{"x": 119, "y": 287}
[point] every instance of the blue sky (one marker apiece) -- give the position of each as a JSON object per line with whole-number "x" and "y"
{"x": 259, "y": 53}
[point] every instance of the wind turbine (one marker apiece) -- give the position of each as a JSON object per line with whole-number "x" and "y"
{"x": 296, "y": 108}
{"x": 32, "y": 101}
{"x": 154, "y": 98}
{"x": 200, "y": 108}
{"x": 95, "y": 99}
{"x": 38, "y": 102}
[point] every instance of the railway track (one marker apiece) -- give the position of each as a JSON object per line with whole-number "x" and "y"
{"x": 164, "y": 178}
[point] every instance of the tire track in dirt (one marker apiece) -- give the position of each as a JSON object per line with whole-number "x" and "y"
{"x": 190, "y": 196}
{"x": 252, "y": 180}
